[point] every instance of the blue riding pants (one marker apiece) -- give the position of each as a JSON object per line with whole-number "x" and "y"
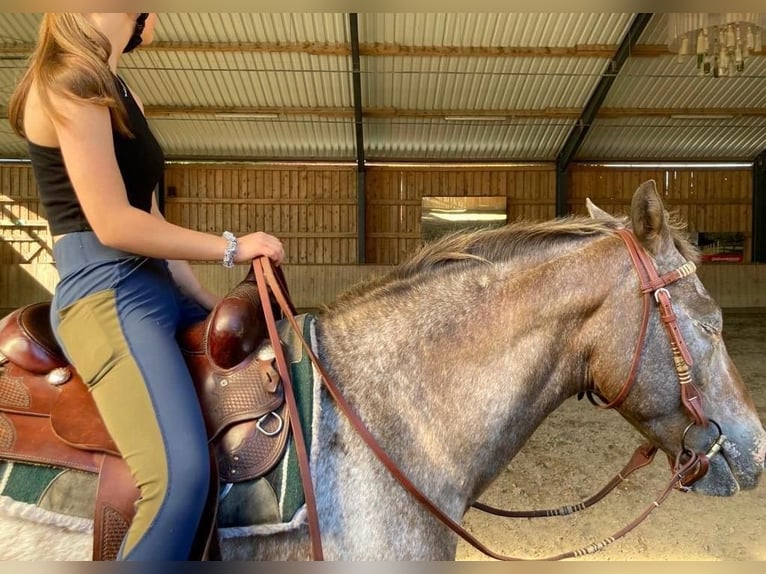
{"x": 116, "y": 316}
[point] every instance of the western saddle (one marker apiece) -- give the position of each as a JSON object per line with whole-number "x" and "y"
{"x": 47, "y": 415}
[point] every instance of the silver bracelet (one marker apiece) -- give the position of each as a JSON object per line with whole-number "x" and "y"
{"x": 231, "y": 249}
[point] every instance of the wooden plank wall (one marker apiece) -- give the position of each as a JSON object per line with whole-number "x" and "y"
{"x": 313, "y": 209}
{"x": 25, "y": 234}
{"x": 734, "y": 284}
{"x": 394, "y": 196}
{"x": 709, "y": 200}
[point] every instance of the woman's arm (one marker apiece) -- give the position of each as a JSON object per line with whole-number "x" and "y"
{"x": 184, "y": 275}
{"x": 84, "y": 134}
{"x": 189, "y": 283}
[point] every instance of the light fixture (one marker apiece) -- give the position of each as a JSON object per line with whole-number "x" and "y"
{"x": 244, "y": 116}
{"x": 701, "y": 116}
{"x": 720, "y": 41}
{"x": 475, "y": 118}
{"x": 468, "y": 216}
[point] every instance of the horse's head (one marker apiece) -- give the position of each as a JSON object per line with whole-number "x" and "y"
{"x": 664, "y": 378}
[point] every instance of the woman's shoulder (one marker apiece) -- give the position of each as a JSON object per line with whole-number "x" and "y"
{"x": 38, "y": 126}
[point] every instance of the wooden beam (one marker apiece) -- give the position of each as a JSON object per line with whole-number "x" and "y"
{"x": 393, "y": 113}
{"x": 232, "y": 113}
{"x": 578, "y": 51}
{"x": 671, "y": 112}
{"x": 387, "y": 49}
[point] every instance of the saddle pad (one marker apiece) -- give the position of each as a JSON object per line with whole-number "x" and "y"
{"x": 48, "y": 495}
{"x": 273, "y": 503}
{"x": 279, "y": 493}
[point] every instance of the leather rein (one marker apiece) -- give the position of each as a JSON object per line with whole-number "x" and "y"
{"x": 689, "y": 465}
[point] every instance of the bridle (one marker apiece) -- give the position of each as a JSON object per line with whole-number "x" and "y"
{"x": 652, "y": 285}
{"x": 689, "y": 465}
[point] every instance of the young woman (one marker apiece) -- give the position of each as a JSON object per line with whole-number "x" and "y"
{"x": 125, "y": 284}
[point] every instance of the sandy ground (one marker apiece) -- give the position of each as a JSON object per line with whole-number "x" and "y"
{"x": 577, "y": 450}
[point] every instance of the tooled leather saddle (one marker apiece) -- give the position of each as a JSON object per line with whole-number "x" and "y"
{"x": 47, "y": 415}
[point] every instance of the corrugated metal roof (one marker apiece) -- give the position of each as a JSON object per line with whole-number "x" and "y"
{"x": 296, "y": 138}
{"x": 478, "y": 83}
{"x": 464, "y": 141}
{"x": 415, "y": 69}
{"x": 253, "y": 27}
{"x": 188, "y": 78}
{"x": 494, "y": 29}
{"x": 664, "y": 82}
{"x": 661, "y": 139}
{"x": 18, "y": 27}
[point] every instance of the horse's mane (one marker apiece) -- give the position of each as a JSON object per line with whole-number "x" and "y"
{"x": 465, "y": 249}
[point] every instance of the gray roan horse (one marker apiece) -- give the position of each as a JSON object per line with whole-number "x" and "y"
{"x": 456, "y": 357}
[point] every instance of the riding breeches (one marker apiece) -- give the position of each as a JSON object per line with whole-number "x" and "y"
{"x": 116, "y": 315}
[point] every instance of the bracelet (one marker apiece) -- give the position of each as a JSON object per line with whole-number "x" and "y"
{"x": 231, "y": 249}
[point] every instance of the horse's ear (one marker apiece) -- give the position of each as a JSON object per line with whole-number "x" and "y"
{"x": 596, "y": 212}
{"x": 648, "y": 216}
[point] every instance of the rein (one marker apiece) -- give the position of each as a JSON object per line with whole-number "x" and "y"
{"x": 689, "y": 465}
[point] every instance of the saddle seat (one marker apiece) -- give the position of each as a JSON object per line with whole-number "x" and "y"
{"x": 26, "y": 339}
{"x": 47, "y": 415}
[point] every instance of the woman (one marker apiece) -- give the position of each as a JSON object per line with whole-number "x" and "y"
{"x": 125, "y": 284}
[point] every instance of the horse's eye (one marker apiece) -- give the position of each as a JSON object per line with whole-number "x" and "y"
{"x": 709, "y": 328}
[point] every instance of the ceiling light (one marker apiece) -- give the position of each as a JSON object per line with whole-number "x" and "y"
{"x": 475, "y": 118}
{"x": 702, "y": 117}
{"x": 721, "y": 41}
{"x": 245, "y": 116}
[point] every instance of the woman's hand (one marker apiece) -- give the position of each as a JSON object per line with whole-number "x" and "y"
{"x": 256, "y": 244}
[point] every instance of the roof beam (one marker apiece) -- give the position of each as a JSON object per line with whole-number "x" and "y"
{"x": 591, "y": 109}
{"x": 356, "y": 77}
{"x": 759, "y": 208}
{"x": 242, "y": 112}
{"x": 580, "y": 130}
{"x": 22, "y": 50}
{"x": 256, "y": 113}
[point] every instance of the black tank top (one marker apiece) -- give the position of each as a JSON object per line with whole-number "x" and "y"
{"x": 140, "y": 160}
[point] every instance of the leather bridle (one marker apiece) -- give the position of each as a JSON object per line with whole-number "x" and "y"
{"x": 653, "y": 284}
{"x": 689, "y": 465}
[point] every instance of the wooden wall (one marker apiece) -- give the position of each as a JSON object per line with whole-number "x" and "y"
{"x": 394, "y": 195}
{"x": 313, "y": 210}
{"x": 25, "y": 236}
{"x": 709, "y": 200}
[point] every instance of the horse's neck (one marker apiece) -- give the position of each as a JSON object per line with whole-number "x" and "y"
{"x": 457, "y": 374}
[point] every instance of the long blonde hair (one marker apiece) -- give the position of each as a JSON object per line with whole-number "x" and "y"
{"x": 71, "y": 58}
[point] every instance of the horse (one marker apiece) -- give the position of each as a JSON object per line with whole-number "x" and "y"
{"x": 455, "y": 357}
